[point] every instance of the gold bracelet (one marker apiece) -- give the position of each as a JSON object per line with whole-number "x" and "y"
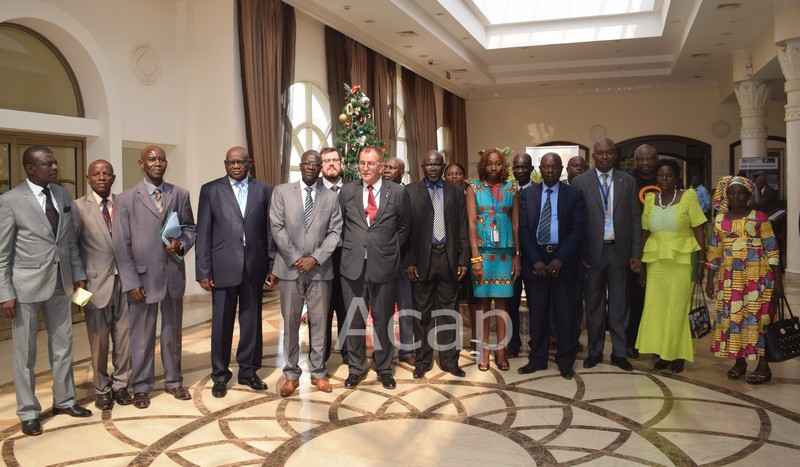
{"x": 476, "y": 260}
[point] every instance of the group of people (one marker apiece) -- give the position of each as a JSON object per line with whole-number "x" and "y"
{"x": 622, "y": 243}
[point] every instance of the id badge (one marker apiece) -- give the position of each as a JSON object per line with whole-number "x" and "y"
{"x": 495, "y": 236}
{"x": 608, "y": 225}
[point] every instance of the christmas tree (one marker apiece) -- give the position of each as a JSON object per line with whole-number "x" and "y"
{"x": 357, "y": 129}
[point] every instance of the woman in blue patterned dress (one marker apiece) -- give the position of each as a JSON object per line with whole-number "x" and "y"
{"x": 493, "y": 212}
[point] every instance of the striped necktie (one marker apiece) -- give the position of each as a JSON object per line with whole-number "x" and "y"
{"x": 309, "y": 205}
{"x": 543, "y": 234}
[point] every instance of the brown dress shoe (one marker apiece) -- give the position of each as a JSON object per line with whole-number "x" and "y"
{"x": 179, "y": 393}
{"x": 289, "y": 387}
{"x": 411, "y": 360}
{"x": 141, "y": 400}
{"x": 322, "y": 384}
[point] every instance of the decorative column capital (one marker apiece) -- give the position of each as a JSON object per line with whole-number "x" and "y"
{"x": 789, "y": 59}
{"x": 752, "y": 94}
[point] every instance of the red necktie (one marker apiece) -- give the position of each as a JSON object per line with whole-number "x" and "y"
{"x": 372, "y": 208}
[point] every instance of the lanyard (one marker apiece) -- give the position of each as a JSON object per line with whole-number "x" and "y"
{"x": 604, "y": 192}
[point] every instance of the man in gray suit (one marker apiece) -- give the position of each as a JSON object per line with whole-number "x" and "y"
{"x": 234, "y": 255}
{"x": 107, "y": 311}
{"x": 39, "y": 267}
{"x": 306, "y": 224}
{"x": 613, "y": 243}
{"x": 375, "y": 226}
{"x": 153, "y": 273}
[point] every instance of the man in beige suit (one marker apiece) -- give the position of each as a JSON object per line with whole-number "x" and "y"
{"x": 39, "y": 268}
{"x": 306, "y": 224}
{"x": 107, "y": 311}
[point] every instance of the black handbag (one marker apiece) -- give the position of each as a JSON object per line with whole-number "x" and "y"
{"x": 699, "y": 319}
{"x": 782, "y": 336}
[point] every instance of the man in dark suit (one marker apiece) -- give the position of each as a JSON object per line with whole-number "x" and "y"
{"x": 39, "y": 268}
{"x": 435, "y": 258}
{"x": 153, "y": 273}
{"x": 107, "y": 318}
{"x": 612, "y": 245}
{"x": 551, "y": 231}
{"x": 306, "y": 222}
{"x": 522, "y": 166}
{"x": 234, "y": 255}
{"x": 374, "y": 230}
{"x": 331, "y": 179}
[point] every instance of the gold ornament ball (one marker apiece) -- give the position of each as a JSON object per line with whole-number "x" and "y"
{"x": 342, "y": 118}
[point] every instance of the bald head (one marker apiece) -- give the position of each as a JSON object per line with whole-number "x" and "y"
{"x": 393, "y": 169}
{"x": 522, "y": 166}
{"x": 645, "y": 158}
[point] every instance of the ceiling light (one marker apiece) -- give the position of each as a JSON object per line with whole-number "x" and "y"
{"x": 369, "y": 21}
{"x": 728, "y": 6}
{"x": 736, "y": 21}
{"x": 701, "y": 55}
{"x": 727, "y": 33}
{"x": 675, "y": 21}
{"x": 408, "y": 33}
{"x": 408, "y": 46}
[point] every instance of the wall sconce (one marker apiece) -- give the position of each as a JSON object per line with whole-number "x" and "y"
{"x": 748, "y": 69}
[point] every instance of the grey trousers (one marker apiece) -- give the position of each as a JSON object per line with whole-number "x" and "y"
{"x": 143, "y": 318}
{"x": 316, "y": 294}
{"x": 110, "y": 325}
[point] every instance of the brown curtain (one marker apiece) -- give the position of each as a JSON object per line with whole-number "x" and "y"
{"x": 266, "y": 49}
{"x": 420, "y": 113}
{"x": 350, "y": 62}
{"x": 454, "y": 121}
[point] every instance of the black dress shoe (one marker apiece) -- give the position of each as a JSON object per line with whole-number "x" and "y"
{"x": 387, "y": 381}
{"x": 530, "y": 368}
{"x": 74, "y": 411}
{"x": 622, "y": 363}
{"x": 419, "y": 372}
{"x": 661, "y": 364}
{"x": 677, "y": 365}
{"x": 632, "y": 352}
{"x": 512, "y": 352}
{"x": 353, "y": 380}
{"x": 567, "y": 373}
{"x": 32, "y": 427}
{"x": 123, "y": 397}
{"x": 219, "y": 389}
{"x": 592, "y": 361}
{"x": 456, "y": 370}
{"x": 254, "y": 382}
{"x": 103, "y": 401}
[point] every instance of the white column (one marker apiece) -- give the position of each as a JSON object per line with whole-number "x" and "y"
{"x": 789, "y": 58}
{"x": 752, "y": 96}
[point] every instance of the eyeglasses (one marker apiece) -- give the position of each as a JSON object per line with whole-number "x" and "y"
{"x": 233, "y": 162}
{"x": 432, "y": 166}
{"x": 313, "y": 165}
{"x": 330, "y": 161}
{"x": 371, "y": 165}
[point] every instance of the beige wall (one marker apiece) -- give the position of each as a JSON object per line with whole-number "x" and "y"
{"x": 531, "y": 121}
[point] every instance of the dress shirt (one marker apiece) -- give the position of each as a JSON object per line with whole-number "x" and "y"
{"x": 303, "y": 194}
{"x": 40, "y": 197}
{"x": 439, "y": 186}
{"x": 553, "y": 211}
{"x": 99, "y": 200}
{"x": 607, "y": 234}
{"x": 330, "y": 185}
{"x": 522, "y": 187}
{"x": 151, "y": 189}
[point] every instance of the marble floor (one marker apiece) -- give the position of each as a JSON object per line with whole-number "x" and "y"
{"x": 603, "y": 416}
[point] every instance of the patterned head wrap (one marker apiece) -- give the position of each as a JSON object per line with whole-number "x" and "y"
{"x": 721, "y": 192}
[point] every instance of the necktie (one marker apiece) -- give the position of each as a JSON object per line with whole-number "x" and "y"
{"x": 438, "y": 216}
{"x": 308, "y": 206}
{"x": 335, "y": 189}
{"x": 159, "y": 204}
{"x": 605, "y": 190}
{"x": 241, "y": 195}
{"x": 372, "y": 208}
{"x": 50, "y": 210}
{"x": 106, "y": 214}
{"x": 543, "y": 234}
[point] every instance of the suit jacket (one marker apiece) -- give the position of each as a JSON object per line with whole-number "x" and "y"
{"x": 381, "y": 241}
{"x": 294, "y": 240}
{"x": 29, "y": 251}
{"x": 570, "y": 210}
{"x": 220, "y": 253}
{"x": 627, "y": 218}
{"x": 97, "y": 252}
{"x": 418, "y": 205}
{"x": 141, "y": 259}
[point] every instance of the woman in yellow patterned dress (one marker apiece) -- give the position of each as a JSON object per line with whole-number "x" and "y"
{"x": 492, "y": 211}
{"x": 743, "y": 277}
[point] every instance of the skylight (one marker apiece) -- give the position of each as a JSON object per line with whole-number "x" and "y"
{"x": 524, "y": 11}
